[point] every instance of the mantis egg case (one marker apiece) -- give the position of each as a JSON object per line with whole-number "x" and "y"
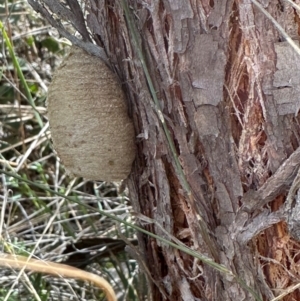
{"x": 90, "y": 127}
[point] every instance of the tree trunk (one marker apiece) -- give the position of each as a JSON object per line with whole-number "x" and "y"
{"x": 227, "y": 82}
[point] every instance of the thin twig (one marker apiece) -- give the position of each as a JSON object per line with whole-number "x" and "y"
{"x": 56, "y": 269}
{"x": 278, "y": 26}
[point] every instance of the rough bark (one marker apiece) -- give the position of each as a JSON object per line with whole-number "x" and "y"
{"x": 227, "y": 83}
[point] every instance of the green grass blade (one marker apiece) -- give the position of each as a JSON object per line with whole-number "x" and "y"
{"x": 20, "y": 74}
{"x": 181, "y": 247}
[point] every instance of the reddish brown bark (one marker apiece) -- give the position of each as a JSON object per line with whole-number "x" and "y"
{"x": 213, "y": 64}
{"x": 228, "y": 92}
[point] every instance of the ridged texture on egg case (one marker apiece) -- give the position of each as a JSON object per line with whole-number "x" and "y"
{"x": 90, "y": 127}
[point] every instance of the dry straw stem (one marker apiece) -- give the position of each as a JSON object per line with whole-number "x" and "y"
{"x": 56, "y": 269}
{"x": 87, "y": 112}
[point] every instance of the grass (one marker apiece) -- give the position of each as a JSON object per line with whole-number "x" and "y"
{"x": 43, "y": 210}
{"x": 33, "y": 220}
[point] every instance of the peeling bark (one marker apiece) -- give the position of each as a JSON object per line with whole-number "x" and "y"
{"x": 227, "y": 85}
{"x": 218, "y": 70}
